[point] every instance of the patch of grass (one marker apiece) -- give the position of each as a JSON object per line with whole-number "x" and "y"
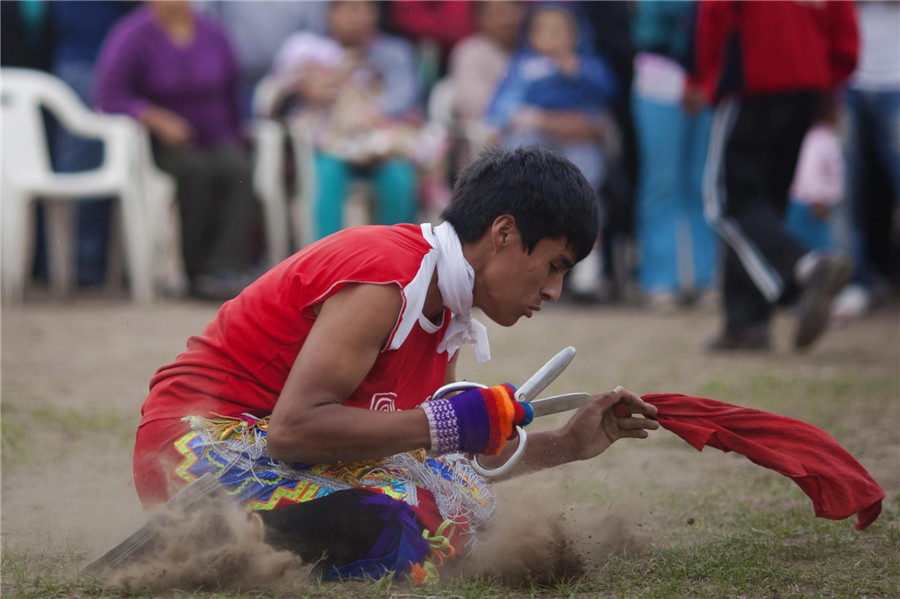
{"x": 719, "y": 390}
{"x": 59, "y": 427}
{"x": 45, "y": 572}
{"x": 771, "y": 390}
{"x": 73, "y": 424}
{"x": 756, "y": 553}
{"x": 827, "y": 401}
{"x": 711, "y": 525}
{"x": 11, "y": 435}
{"x": 825, "y": 559}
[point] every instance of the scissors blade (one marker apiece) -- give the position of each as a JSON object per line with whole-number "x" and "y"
{"x": 559, "y": 403}
{"x": 546, "y": 375}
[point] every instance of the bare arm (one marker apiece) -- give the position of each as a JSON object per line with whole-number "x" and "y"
{"x": 451, "y": 371}
{"x": 309, "y": 423}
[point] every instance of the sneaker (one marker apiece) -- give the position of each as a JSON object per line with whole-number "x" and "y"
{"x": 850, "y": 304}
{"x": 829, "y": 276}
{"x": 751, "y": 338}
{"x": 708, "y": 302}
{"x": 662, "y": 302}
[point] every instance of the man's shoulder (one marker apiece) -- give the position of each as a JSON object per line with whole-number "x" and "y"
{"x": 370, "y": 254}
{"x": 393, "y": 244}
{"x": 384, "y": 233}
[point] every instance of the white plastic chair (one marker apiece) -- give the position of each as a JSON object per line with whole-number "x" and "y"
{"x": 268, "y": 137}
{"x": 304, "y": 156}
{"x": 267, "y": 95}
{"x": 27, "y": 177}
{"x": 164, "y": 221}
{"x": 441, "y": 101}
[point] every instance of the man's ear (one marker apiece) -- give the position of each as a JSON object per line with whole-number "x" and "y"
{"x": 503, "y": 230}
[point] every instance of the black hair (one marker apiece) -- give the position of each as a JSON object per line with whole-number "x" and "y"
{"x": 546, "y": 194}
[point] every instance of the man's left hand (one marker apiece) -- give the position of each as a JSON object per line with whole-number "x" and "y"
{"x": 609, "y": 416}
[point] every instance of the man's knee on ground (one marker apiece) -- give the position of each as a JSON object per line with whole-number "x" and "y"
{"x": 335, "y": 529}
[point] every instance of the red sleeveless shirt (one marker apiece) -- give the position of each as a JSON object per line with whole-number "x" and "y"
{"x": 241, "y": 360}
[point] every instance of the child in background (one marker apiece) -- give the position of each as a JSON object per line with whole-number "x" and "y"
{"x": 361, "y": 102}
{"x": 556, "y": 93}
{"x": 477, "y": 66}
{"x": 818, "y": 184}
{"x": 352, "y": 124}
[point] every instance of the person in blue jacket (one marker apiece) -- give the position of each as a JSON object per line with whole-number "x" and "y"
{"x": 556, "y": 93}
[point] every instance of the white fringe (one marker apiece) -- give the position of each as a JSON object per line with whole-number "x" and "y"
{"x": 453, "y": 498}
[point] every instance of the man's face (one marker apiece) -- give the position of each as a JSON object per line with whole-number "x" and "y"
{"x": 515, "y": 283}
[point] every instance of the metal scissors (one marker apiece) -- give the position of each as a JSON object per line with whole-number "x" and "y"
{"x": 527, "y": 394}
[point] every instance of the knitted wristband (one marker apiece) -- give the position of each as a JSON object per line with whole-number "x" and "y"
{"x": 476, "y": 420}
{"x": 442, "y": 426}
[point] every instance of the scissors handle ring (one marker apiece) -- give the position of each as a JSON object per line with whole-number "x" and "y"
{"x": 523, "y": 437}
{"x": 457, "y": 386}
{"x": 509, "y": 464}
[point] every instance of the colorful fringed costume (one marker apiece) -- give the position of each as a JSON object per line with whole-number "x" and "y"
{"x": 207, "y": 411}
{"x": 429, "y": 506}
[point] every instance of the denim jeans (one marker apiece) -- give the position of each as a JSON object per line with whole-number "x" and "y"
{"x": 395, "y": 192}
{"x": 72, "y": 154}
{"x": 873, "y": 123}
{"x": 678, "y": 248}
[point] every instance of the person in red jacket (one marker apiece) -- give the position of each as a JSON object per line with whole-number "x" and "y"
{"x": 442, "y": 23}
{"x": 766, "y": 66}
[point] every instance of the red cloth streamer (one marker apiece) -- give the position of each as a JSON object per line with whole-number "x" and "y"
{"x": 837, "y": 484}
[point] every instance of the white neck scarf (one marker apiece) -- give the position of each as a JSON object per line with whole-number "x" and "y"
{"x": 455, "y": 282}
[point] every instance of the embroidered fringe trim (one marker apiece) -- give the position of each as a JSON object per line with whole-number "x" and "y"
{"x": 236, "y": 439}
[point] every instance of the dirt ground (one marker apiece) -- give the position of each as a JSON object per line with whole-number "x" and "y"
{"x": 74, "y": 376}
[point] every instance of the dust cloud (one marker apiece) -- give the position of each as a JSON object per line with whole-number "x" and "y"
{"x": 213, "y": 546}
{"x": 539, "y": 537}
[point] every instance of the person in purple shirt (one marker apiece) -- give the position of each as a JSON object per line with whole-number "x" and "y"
{"x": 174, "y": 70}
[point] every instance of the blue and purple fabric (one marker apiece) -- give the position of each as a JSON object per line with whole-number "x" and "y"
{"x": 425, "y": 502}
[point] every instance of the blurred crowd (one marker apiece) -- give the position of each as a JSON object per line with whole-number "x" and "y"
{"x": 732, "y": 145}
